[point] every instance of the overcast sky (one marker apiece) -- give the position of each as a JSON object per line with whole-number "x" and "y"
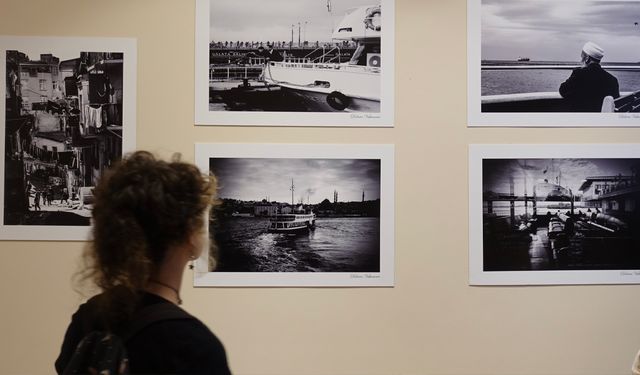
{"x": 315, "y": 179}
{"x": 571, "y": 172}
{"x": 260, "y": 20}
{"x": 62, "y": 51}
{"x": 556, "y": 30}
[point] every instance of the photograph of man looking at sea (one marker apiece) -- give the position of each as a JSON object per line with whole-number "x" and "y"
{"x": 589, "y": 84}
{"x": 530, "y": 48}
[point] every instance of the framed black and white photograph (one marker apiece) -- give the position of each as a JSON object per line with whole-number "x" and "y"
{"x": 299, "y": 215}
{"x": 554, "y": 214}
{"x": 69, "y": 113}
{"x": 553, "y": 63}
{"x": 295, "y": 63}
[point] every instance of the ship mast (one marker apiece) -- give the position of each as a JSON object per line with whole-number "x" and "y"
{"x": 525, "y": 188}
{"x": 330, "y": 10}
{"x": 560, "y": 177}
{"x": 292, "y": 188}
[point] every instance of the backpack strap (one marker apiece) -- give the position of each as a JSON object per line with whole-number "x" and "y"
{"x": 151, "y": 314}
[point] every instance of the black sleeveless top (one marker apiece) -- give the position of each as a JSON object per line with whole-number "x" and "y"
{"x": 180, "y": 346}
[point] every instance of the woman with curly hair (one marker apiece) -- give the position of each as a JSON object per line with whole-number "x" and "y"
{"x": 149, "y": 221}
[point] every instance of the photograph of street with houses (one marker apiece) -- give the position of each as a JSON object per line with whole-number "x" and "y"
{"x": 64, "y": 124}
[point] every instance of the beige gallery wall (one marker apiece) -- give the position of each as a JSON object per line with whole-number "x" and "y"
{"x": 431, "y": 322}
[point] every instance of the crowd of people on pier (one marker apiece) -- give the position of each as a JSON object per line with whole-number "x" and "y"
{"x": 278, "y": 44}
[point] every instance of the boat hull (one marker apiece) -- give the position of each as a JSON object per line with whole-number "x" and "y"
{"x": 317, "y": 101}
{"x": 299, "y": 230}
{"x": 326, "y": 87}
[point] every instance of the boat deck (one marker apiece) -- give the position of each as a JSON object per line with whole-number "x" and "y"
{"x": 584, "y": 247}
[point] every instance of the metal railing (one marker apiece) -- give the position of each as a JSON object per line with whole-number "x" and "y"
{"x": 299, "y": 60}
{"x": 227, "y": 73}
{"x": 334, "y": 52}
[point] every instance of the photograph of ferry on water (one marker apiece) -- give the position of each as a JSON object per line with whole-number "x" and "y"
{"x": 68, "y": 114}
{"x": 295, "y": 62}
{"x": 553, "y": 63}
{"x": 294, "y": 215}
{"x": 555, "y": 214}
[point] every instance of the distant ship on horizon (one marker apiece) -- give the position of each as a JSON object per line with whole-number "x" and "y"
{"x": 523, "y": 59}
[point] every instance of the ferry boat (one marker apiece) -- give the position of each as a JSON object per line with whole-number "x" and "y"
{"x": 329, "y": 86}
{"x": 559, "y": 194}
{"x": 295, "y": 222}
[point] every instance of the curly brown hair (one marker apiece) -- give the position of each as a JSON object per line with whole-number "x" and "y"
{"x": 142, "y": 207}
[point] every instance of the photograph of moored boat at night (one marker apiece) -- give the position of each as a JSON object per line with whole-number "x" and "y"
{"x": 299, "y": 215}
{"x": 566, "y": 62}
{"x": 559, "y": 214}
{"x": 65, "y": 121}
{"x": 299, "y": 57}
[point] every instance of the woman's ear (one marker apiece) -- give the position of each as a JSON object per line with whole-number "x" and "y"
{"x": 198, "y": 243}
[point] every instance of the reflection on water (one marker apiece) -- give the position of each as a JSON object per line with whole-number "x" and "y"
{"x": 336, "y": 245}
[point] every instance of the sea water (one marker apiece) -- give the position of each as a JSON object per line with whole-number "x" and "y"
{"x": 346, "y": 244}
{"x": 498, "y": 82}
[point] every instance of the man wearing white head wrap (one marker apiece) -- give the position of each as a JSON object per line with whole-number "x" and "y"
{"x": 593, "y": 50}
{"x": 589, "y": 84}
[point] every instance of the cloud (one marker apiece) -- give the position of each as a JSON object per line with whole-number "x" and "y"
{"x": 556, "y": 30}
{"x": 498, "y": 173}
{"x": 258, "y": 178}
{"x": 259, "y": 20}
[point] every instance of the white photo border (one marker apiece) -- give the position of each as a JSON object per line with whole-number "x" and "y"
{"x": 384, "y": 278}
{"x": 80, "y": 44}
{"x": 249, "y": 118}
{"x": 479, "y": 152}
{"x": 477, "y": 118}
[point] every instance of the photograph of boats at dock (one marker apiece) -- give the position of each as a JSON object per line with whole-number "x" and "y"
{"x": 555, "y": 214}
{"x": 553, "y": 63}
{"x": 300, "y": 220}
{"x": 294, "y": 62}
{"x": 68, "y": 114}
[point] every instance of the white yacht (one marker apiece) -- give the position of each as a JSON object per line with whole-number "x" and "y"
{"x": 327, "y": 85}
